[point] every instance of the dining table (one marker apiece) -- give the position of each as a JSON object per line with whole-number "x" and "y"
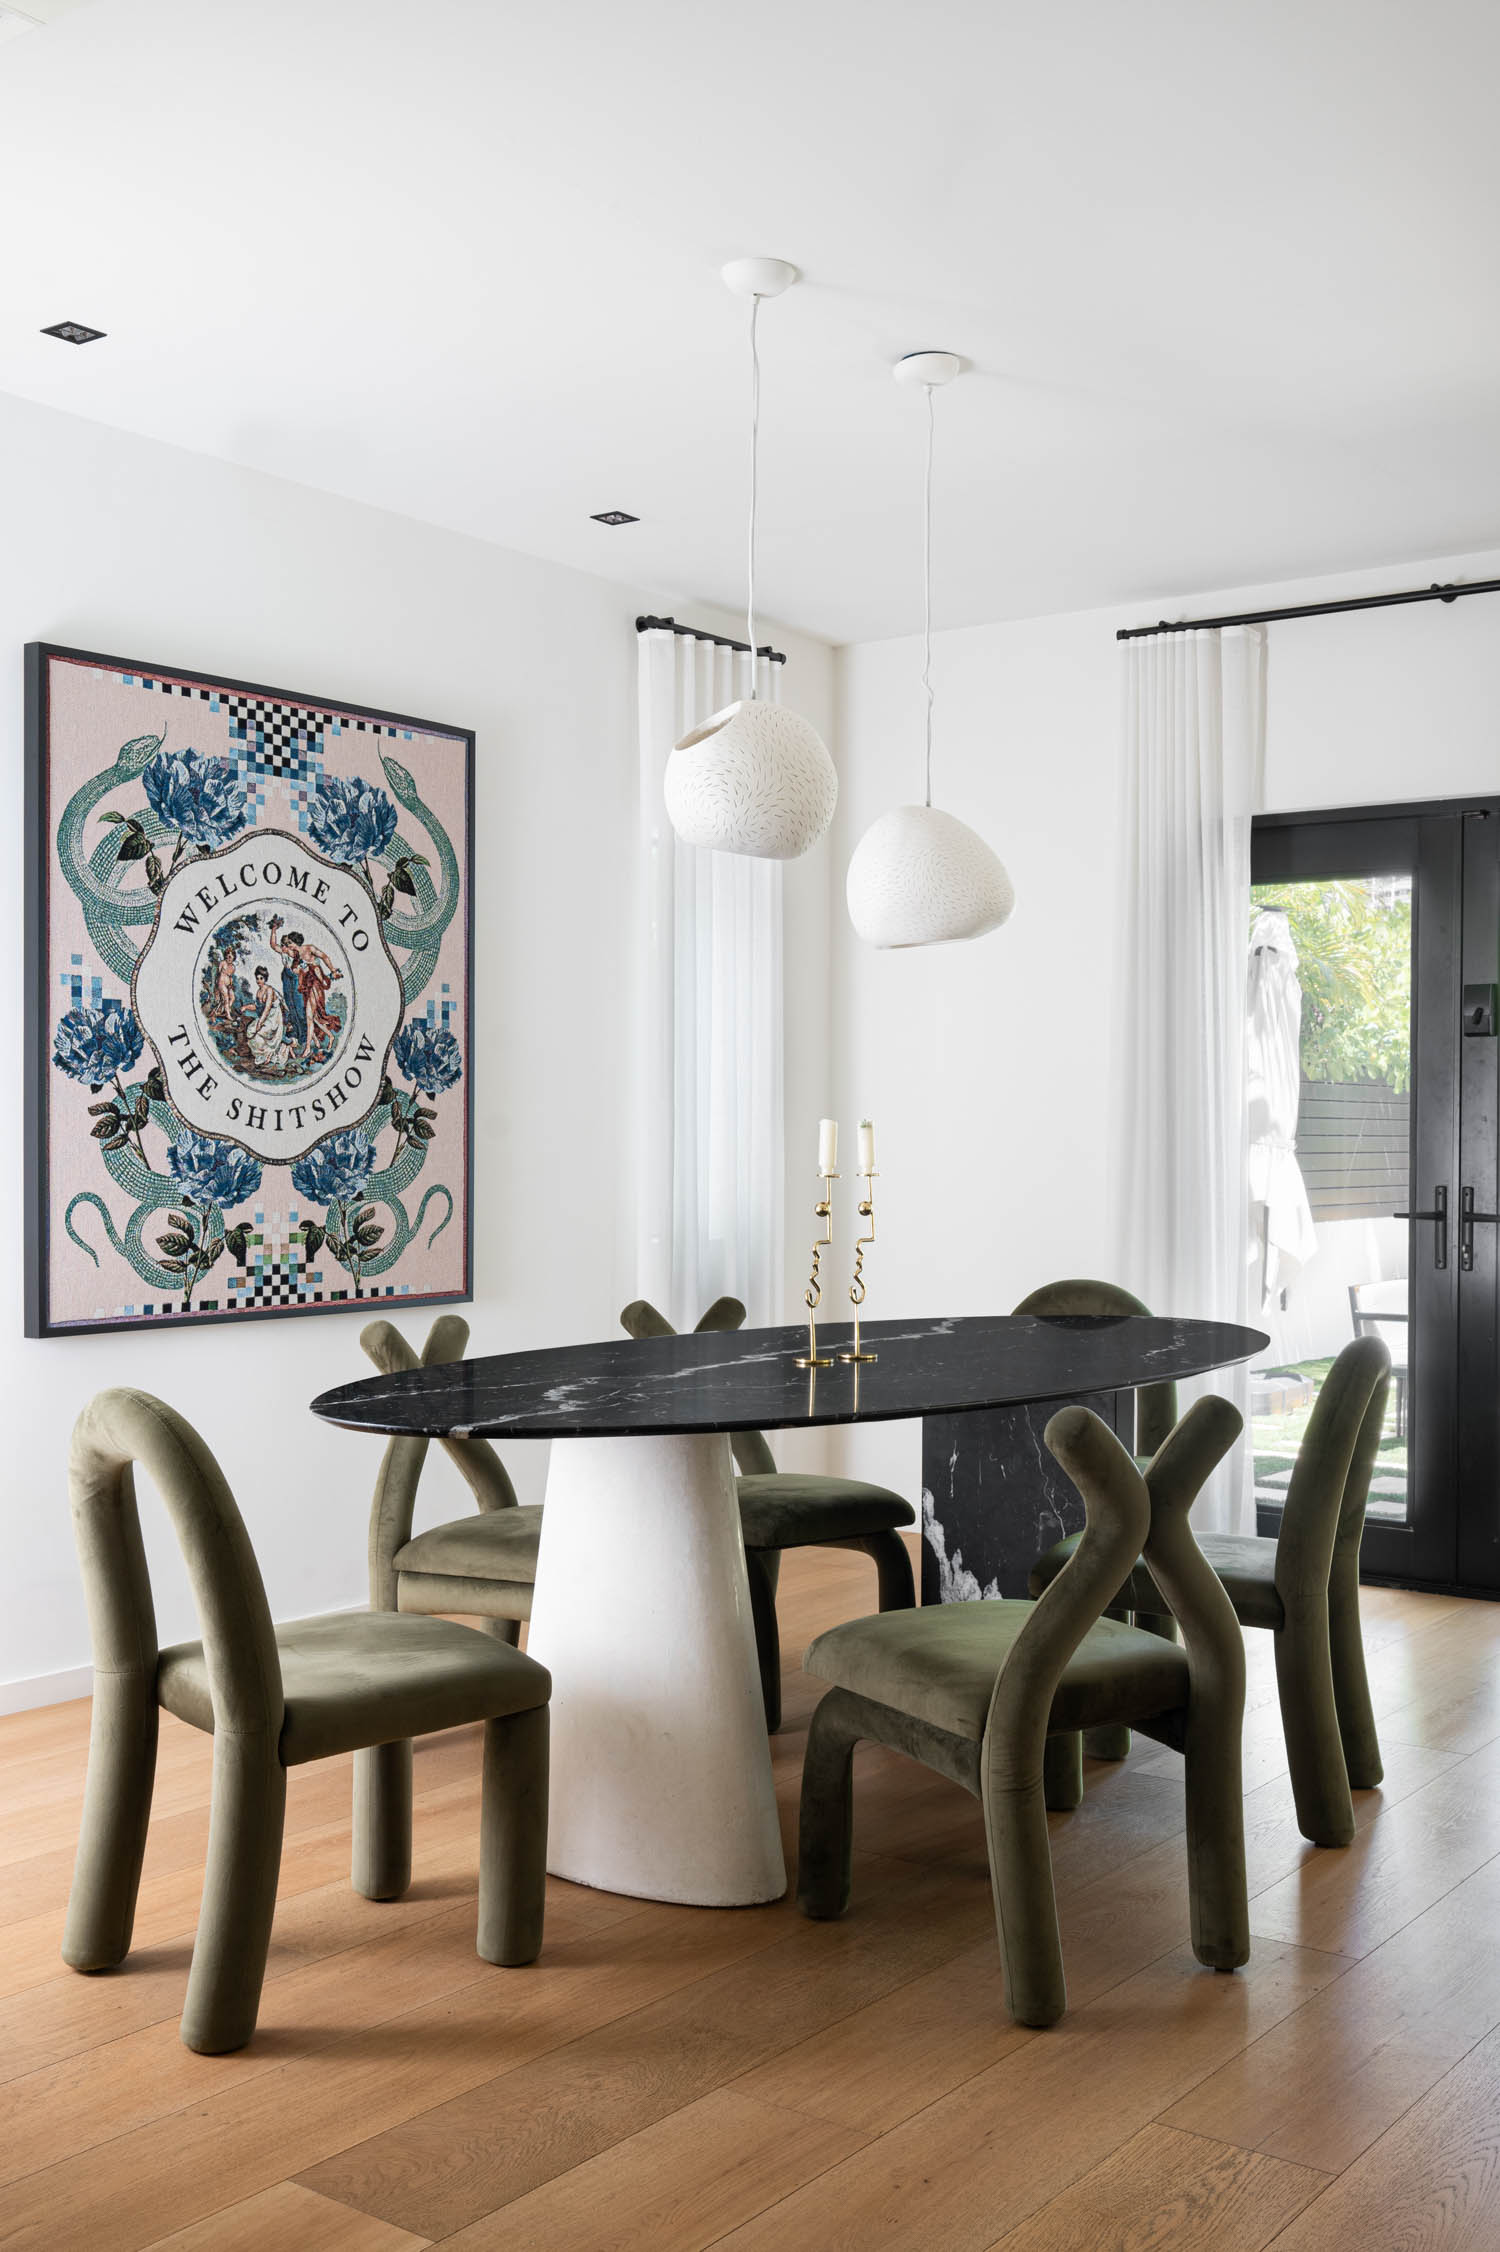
{"x": 661, "y": 1772}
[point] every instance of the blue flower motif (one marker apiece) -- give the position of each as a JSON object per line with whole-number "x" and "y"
{"x": 200, "y": 797}
{"x": 93, "y": 1044}
{"x": 349, "y": 819}
{"x": 217, "y": 1172}
{"x": 429, "y": 1058}
{"x": 337, "y": 1169}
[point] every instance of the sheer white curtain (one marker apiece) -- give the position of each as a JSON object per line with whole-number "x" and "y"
{"x": 1194, "y": 754}
{"x": 709, "y": 1173}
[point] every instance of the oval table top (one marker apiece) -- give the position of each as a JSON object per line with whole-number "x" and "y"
{"x": 747, "y": 1379}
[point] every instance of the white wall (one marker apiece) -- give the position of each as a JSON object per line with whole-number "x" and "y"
{"x": 983, "y": 1065}
{"x": 123, "y": 545}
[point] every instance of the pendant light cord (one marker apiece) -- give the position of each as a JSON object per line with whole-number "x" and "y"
{"x": 927, "y": 591}
{"x": 754, "y": 481}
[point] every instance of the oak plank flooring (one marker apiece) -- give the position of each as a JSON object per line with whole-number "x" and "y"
{"x": 287, "y": 2219}
{"x": 1432, "y": 2181}
{"x": 675, "y": 2186}
{"x": 676, "y": 2078}
{"x": 1173, "y": 2192}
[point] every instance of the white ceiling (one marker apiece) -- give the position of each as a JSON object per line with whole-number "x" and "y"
{"x": 1225, "y": 272}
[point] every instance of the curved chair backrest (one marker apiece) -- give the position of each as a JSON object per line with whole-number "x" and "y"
{"x": 1325, "y": 1501}
{"x": 1155, "y": 1404}
{"x": 395, "y": 1500}
{"x": 116, "y": 1431}
{"x": 753, "y": 1458}
{"x": 1128, "y": 1513}
{"x": 1117, "y": 1519}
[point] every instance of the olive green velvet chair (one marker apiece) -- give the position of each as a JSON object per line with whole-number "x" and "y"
{"x": 272, "y": 1698}
{"x": 796, "y": 1509}
{"x": 1304, "y": 1587}
{"x": 482, "y": 1567}
{"x": 977, "y": 1690}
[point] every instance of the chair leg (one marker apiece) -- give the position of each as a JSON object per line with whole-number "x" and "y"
{"x": 382, "y": 1821}
{"x": 763, "y": 1567}
{"x": 825, "y": 1831}
{"x": 1062, "y": 1771}
{"x": 1218, "y": 1889}
{"x": 1113, "y": 1742}
{"x": 116, "y": 1814}
{"x": 897, "y": 1587}
{"x": 1351, "y": 1686}
{"x": 503, "y": 1630}
{"x": 513, "y": 1837}
{"x": 1015, "y": 1828}
{"x": 1310, "y": 1724}
{"x": 239, "y": 1894}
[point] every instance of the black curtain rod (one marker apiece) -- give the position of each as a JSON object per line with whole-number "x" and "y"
{"x": 1448, "y": 593}
{"x": 719, "y": 640}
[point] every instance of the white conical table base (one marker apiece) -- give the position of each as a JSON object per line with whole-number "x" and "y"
{"x": 661, "y": 1770}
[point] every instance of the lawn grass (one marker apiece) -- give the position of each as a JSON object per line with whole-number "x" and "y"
{"x": 1276, "y": 1440}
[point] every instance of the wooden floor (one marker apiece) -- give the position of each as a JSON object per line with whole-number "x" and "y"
{"x": 676, "y": 2078}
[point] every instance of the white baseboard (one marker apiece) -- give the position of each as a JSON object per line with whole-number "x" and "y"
{"x": 78, "y": 1681}
{"x": 46, "y": 1689}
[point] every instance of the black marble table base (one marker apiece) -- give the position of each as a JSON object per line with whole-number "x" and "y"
{"x": 993, "y": 1498}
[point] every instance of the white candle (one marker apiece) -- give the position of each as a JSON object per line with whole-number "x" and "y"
{"x": 828, "y": 1145}
{"x": 866, "y": 1146}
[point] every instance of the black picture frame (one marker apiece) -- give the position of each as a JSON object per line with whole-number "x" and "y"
{"x": 38, "y": 656}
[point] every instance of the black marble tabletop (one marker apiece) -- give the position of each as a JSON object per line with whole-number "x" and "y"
{"x": 747, "y": 1379}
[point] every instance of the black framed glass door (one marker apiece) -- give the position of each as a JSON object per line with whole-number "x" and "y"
{"x": 1394, "y": 915}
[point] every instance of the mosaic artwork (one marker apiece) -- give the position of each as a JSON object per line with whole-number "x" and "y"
{"x": 249, "y": 939}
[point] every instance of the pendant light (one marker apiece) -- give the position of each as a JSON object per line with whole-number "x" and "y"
{"x": 919, "y": 876}
{"x": 755, "y": 778}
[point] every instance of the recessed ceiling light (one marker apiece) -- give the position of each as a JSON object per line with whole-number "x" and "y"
{"x": 614, "y": 516}
{"x": 74, "y": 332}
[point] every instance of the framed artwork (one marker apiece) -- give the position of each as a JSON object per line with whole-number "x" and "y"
{"x": 249, "y": 940}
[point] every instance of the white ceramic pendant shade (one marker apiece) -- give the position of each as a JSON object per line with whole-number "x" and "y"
{"x": 921, "y": 877}
{"x": 754, "y": 779}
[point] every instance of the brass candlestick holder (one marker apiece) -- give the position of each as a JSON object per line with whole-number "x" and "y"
{"x": 857, "y": 1285}
{"x": 812, "y": 1296}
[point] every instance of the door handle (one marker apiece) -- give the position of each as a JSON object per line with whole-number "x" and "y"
{"x": 1468, "y": 1218}
{"x": 1439, "y": 1213}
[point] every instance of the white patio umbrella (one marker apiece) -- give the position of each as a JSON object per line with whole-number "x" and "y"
{"x": 1282, "y": 1235}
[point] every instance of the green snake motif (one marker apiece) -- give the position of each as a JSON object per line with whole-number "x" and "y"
{"x": 114, "y": 909}
{"x": 154, "y": 1192}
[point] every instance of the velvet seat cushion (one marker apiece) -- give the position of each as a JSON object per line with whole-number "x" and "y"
{"x": 784, "y": 1509}
{"x": 939, "y": 1664}
{"x": 496, "y": 1544}
{"x": 790, "y": 1509}
{"x": 1245, "y": 1564}
{"x": 352, "y": 1678}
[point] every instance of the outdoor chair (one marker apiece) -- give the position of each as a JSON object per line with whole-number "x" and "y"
{"x": 1382, "y": 1309}
{"x": 977, "y": 1691}
{"x": 1304, "y": 1587}
{"x": 272, "y": 1698}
